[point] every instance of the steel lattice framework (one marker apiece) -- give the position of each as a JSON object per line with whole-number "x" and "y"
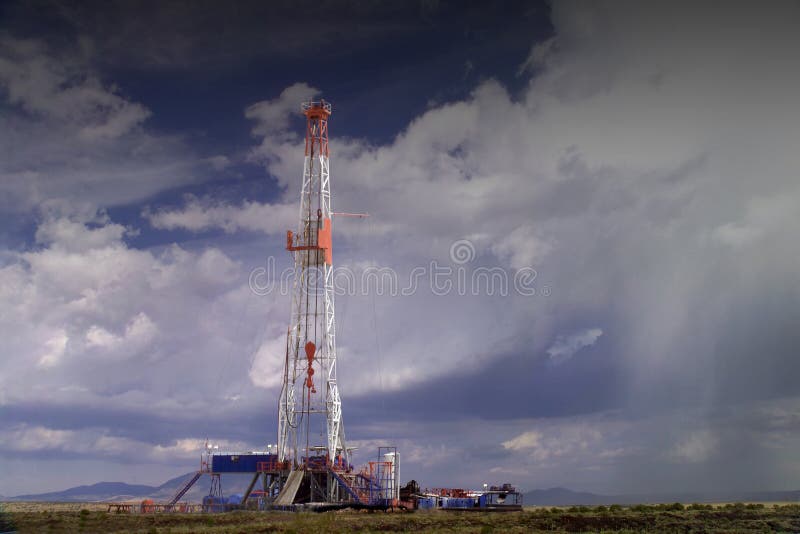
{"x": 311, "y": 338}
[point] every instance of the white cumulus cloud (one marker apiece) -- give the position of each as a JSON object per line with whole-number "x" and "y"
{"x": 203, "y": 214}
{"x": 566, "y": 346}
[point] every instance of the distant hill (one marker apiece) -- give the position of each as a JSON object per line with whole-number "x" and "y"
{"x": 231, "y": 483}
{"x": 95, "y": 492}
{"x": 121, "y": 491}
{"x": 566, "y": 497}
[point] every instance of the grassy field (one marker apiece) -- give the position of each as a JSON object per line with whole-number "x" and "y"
{"x": 69, "y": 517}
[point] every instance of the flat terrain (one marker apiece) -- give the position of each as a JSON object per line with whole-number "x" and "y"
{"x": 731, "y": 518}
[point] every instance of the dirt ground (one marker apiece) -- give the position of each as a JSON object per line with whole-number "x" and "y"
{"x": 87, "y": 518}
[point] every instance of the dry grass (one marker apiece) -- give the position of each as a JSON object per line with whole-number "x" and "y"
{"x": 87, "y": 518}
{"x": 22, "y": 507}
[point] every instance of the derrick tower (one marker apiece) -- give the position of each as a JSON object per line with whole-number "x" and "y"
{"x": 312, "y": 463}
{"x": 310, "y": 410}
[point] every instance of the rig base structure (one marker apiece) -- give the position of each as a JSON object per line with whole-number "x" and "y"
{"x": 317, "y": 483}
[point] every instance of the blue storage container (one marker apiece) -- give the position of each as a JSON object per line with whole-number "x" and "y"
{"x": 458, "y": 503}
{"x": 239, "y": 463}
{"x": 426, "y": 503}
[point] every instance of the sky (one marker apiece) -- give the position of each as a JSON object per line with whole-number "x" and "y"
{"x": 579, "y": 269}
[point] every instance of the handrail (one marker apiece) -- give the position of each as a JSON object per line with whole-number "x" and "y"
{"x": 181, "y": 492}
{"x": 305, "y": 106}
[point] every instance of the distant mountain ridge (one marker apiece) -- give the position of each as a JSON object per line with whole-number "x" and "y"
{"x": 93, "y": 492}
{"x": 121, "y": 491}
{"x": 566, "y": 497}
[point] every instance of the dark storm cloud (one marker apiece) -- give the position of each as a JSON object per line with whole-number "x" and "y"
{"x": 192, "y": 34}
{"x": 248, "y": 424}
{"x": 646, "y": 169}
{"x": 508, "y": 387}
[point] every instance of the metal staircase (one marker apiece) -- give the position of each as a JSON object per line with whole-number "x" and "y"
{"x": 350, "y": 488}
{"x": 358, "y": 485}
{"x": 182, "y": 491}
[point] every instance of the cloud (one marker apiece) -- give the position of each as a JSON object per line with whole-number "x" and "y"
{"x": 565, "y": 347}
{"x": 266, "y": 370}
{"x": 272, "y": 116}
{"x": 95, "y": 442}
{"x": 58, "y": 88}
{"x": 139, "y": 331}
{"x": 54, "y": 349}
{"x": 697, "y": 447}
{"x": 609, "y": 173}
{"x": 765, "y": 217}
{"x": 199, "y": 215}
{"x": 522, "y": 248}
{"x": 72, "y": 232}
{"x": 526, "y": 440}
{"x": 182, "y": 38}
{"x": 537, "y": 58}
{"x": 571, "y": 439}
{"x": 219, "y": 162}
{"x": 71, "y": 137}
{"x": 129, "y": 314}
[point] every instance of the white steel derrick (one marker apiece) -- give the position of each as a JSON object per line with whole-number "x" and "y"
{"x": 312, "y": 319}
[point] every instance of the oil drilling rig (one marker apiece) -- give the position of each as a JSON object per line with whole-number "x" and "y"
{"x": 311, "y": 463}
{"x": 311, "y": 337}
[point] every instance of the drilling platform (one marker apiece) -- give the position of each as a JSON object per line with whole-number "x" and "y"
{"x": 300, "y": 472}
